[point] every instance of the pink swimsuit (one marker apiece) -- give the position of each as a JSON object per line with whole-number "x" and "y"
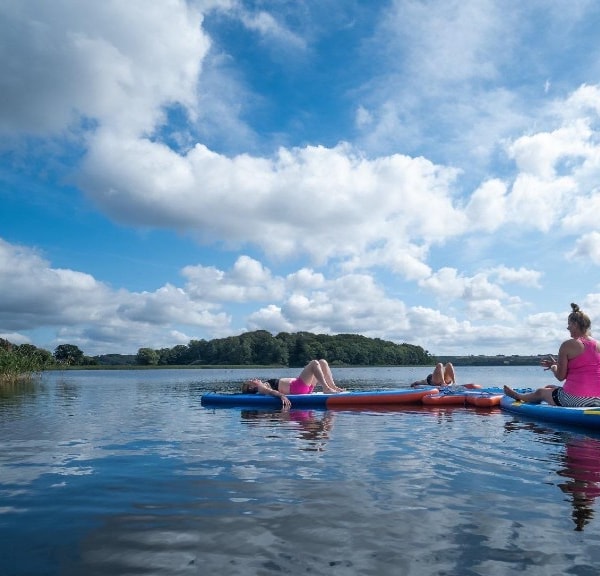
{"x": 583, "y": 371}
{"x": 299, "y": 386}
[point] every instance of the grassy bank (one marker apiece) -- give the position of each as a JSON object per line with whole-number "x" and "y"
{"x": 18, "y": 365}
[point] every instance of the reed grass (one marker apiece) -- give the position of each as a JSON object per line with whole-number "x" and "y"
{"x": 16, "y": 365}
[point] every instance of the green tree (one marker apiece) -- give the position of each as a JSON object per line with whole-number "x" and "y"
{"x": 68, "y": 354}
{"x": 178, "y": 355}
{"x": 197, "y": 351}
{"x": 147, "y": 357}
{"x": 163, "y": 356}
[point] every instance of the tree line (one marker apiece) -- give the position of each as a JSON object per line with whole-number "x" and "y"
{"x": 262, "y": 348}
{"x": 259, "y": 348}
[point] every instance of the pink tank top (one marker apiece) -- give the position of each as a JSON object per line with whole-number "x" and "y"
{"x": 583, "y": 371}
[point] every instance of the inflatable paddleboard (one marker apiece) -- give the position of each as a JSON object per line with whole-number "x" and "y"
{"x": 459, "y": 396}
{"x": 586, "y": 417}
{"x": 485, "y": 399}
{"x": 318, "y": 400}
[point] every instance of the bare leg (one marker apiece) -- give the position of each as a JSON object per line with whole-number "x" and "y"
{"x": 449, "y": 377}
{"x": 329, "y": 376}
{"x": 437, "y": 378}
{"x": 313, "y": 374}
{"x": 535, "y": 397}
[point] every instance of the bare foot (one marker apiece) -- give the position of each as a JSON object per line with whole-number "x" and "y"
{"x": 510, "y": 392}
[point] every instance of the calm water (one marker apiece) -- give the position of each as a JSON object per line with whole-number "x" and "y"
{"x": 124, "y": 473}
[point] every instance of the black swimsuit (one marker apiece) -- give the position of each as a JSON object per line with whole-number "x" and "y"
{"x": 274, "y": 383}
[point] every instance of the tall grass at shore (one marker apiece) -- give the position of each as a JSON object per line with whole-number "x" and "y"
{"x": 18, "y": 364}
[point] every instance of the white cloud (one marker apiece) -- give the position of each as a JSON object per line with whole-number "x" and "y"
{"x": 584, "y": 213}
{"x": 248, "y": 281}
{"x": 431, "y": 327}
{"x": 522, "y": 276}
{"x": 353, "y": 303}
{"x": 364, "y": 118}
{"x": 15, "y": 338}
{"x": 539, "y": 203}
{"x": 34, "y": 295}
{"x": 486, "y": 209}
{"x": 445, "y": 283}
{"x": 441, "y": 83}
{"x": 489, "y": 309}
{"x": 305, "y": 279}
{"x": 87, "y": 313}
{"x": 448, "y": 41}
{"x": 270, "y": 318}
{"x": 538, "y": 155}
{"x": 326, "y": 203}
{"x": 168, "y": 304}
{"x": 112, "y": 62}
{"x": 265, "y": 24}
{"x": 587, "y": 247}
{"x": 448, "y": 284}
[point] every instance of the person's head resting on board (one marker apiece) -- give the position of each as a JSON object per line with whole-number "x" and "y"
{"x": 250, "y": 386}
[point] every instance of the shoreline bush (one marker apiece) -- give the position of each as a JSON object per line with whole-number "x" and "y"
{"x": 21, "y": 362}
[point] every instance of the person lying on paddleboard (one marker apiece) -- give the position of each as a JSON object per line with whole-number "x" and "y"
{"x": 578, "y": 364}
{"x": 315, "y": 372}
{"x": 443, "y": 375}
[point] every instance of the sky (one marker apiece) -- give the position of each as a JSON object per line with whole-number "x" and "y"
{"x": 421, "y": 171}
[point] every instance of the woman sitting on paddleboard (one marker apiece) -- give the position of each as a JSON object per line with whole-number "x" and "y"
{"x": 315, "y": 372}
{"x": 578, "y": 364}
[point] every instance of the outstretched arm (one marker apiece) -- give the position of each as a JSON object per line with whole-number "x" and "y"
{"x": 263, "y": 388}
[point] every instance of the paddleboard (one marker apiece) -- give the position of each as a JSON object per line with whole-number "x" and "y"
{"x": 319, "y": 400}
{"x": 460, "y": 397}
{"x": 585, "y": 417}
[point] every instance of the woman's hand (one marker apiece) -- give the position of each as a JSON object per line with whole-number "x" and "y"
{"x": 548, "y": 363}
{"x": 285, "y": 402}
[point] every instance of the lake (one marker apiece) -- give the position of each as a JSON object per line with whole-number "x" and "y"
{"x": 124, "y": 473}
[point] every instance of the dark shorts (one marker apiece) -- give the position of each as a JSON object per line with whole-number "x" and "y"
{"x": 562, "y": 398}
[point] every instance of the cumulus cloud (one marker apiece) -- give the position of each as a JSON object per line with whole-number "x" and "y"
{"x": 247, "y": 281}
{"x": 111, "y": 62}
{"x": 523, "y": 276}
{"x": 99, "y": 319}
{"x": 15, "y": 337}
{"x": 33, "y": 294}
{"x": 486, "y": 209}
{"x": 587, "y": 247}
{"x": 538, "y": 154}
{"x": 448, "y": 284}
{"x": 352, "y": 303}
{"x": 326, "y": 203}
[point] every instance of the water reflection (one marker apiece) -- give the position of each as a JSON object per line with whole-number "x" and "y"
{"x": 311, "y": 425}
{"x": 580, "y": 468}
{"x": 582, "y": 474}
{"x": 15, "y": 391}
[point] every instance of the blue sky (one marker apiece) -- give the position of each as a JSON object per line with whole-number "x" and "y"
{"x": 418, "y": 171}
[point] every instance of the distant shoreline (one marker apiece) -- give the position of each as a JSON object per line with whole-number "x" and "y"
{"x": 499, "y": 360}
